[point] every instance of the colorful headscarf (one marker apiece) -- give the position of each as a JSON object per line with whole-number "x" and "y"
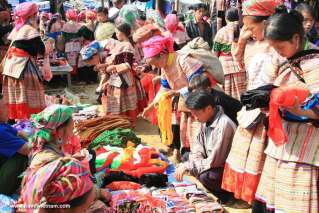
{"x": 90, "y": 14}
{"x": 90, "y": 50}
{"x": 71, "y": 15}
{"x": 47, "y": 121}
{"x": 23, "y": 11}
{"x": 81, "y": 16}
{"x": 156, "y": 45}
{"x": 129, "y": 14}
{"x": 156, "y": 17}
{"x": 172, "y": 23}
{"x": 260, "y": 7}
{"x": 59, "y": 181}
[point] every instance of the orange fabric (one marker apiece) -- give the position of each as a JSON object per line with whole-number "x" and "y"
{"x": 282, "y": 97}
{"x": 123, "y": 185}
{"x": 243, "y": 185}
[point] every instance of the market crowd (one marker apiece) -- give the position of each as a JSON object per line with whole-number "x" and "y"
{"x": 232, "y": 86}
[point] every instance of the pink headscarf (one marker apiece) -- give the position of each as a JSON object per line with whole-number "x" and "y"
{"x": 23, "y": 11}
{"x": 71, "y": 15}
{"x": 172, "y": 23}
{"x": 156, "y": 45}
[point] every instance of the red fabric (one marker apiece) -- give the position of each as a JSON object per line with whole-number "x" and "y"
{"x": 13, "y": 51}
{"x": 151, "y": 91}
{"x": 282, "y": 97}
{"x": 123, "y": 185}
{"x": 21, "y": 111}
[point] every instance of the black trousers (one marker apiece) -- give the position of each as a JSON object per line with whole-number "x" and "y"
{"x": 10, "y": 169}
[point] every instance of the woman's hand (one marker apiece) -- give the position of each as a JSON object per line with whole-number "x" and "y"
{"x": 147, "y": 111}
{"x": 297, "y": 110}
{"x": 105, "y": 195}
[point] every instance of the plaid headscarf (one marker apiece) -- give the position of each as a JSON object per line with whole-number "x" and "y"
{"x": 58, "y": 182}
{"x": 260, "y": 7}
{"x": 47, "y": 121}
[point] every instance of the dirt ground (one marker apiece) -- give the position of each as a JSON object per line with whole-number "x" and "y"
{"x": 144, "y": 129}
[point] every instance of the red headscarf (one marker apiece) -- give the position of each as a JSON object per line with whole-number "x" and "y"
{"x": 156, "y": 45}
{"x": 90, "y": 14}
{"x": 282, "y": 97}
{"x": 71, "y": 15}
{"x": 24, "y": 11}
{"x": 260, "y": 7}
{"x": 172, "y": 23}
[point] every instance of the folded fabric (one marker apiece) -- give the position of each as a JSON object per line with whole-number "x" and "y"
{"x": 282, "y": 97}
{"x": 117, "y": 137}
{"x": 123, "y": 185}
{"x": 118, "y": 176}
{"x": 257, "y": 98}
{"x": 153, "y": 179}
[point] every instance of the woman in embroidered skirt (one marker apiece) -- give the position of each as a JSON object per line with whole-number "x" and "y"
{"x": 22, "y": 87}
{"x": 123, "y": 93}
{"x": 289, "y": 181}
{"x": 235, "y": 78}
{"x": 72, "y": 39}
{"x": 246, "y": 158}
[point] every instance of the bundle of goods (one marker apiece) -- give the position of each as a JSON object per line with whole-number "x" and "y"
{"x": 199, "y": 199}
{"x": 88, "y": 130}
{"x": 118, "y": 137}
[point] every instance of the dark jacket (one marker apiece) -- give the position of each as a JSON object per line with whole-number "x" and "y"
{"x": 193, "y": 31}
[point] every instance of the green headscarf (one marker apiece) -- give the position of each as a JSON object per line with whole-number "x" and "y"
{"x": 47, "y": 121}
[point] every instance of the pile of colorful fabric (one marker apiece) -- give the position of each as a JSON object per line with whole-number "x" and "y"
{"x": 88, "y": 130}
{"x": 136, "y": 201}
{"x": 130, "y": 160}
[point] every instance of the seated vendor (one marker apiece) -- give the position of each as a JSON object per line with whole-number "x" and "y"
{"x": 63, "y": 181}
{"x": 210, "y": 150}
{"x": 13, "y": 153}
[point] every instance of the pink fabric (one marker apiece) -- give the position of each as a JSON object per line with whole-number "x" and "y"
{"x": 172, "y": 23}
{"x": 23, "y": 11}
{"x": 156, "y": 45}
{"x": 71, "y": 15}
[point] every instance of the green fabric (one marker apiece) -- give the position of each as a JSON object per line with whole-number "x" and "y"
{"x": 117, "y": 137}
{"x": 219, "y": 47}
{"x": 49, "y": 119}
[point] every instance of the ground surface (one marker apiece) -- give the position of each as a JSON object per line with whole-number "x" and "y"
{"x": 144, "y": 129}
